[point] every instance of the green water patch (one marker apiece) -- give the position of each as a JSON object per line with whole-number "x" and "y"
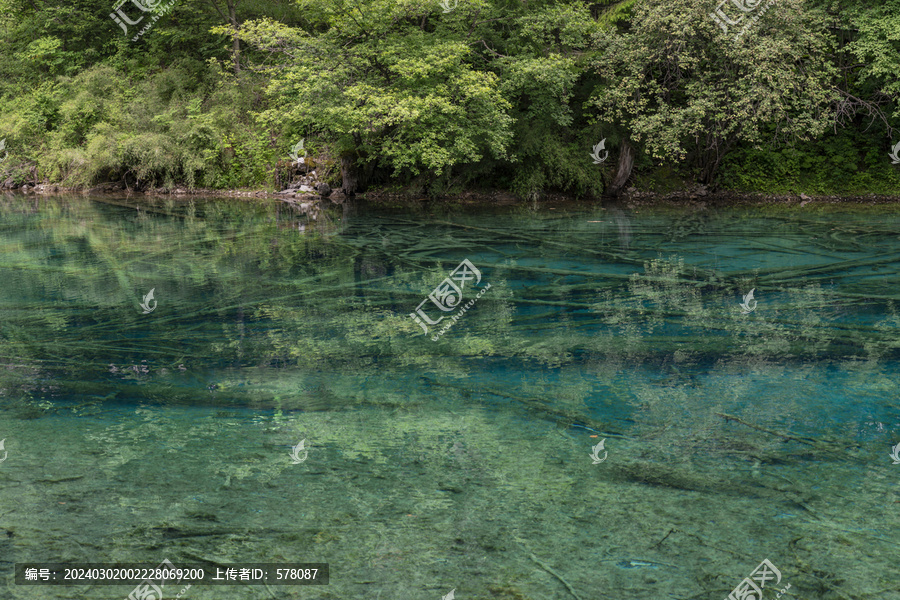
{"x": 729, "y": 435}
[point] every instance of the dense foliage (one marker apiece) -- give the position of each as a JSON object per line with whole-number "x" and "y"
{"x": 438, "y": 97}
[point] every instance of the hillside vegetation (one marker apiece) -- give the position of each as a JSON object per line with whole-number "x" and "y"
{"x": 436, "y": 99}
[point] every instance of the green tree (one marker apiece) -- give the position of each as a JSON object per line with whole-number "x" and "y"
{"x": 686, "y": 90}
{"x": 869, "y": 60}
{"x": 544, "y": 71}
{"x": 380, "y": 83}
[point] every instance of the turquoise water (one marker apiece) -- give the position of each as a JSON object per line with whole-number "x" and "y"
{"x": 464, "y": 463}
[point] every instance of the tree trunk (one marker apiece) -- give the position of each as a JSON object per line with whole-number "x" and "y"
{"x": 349, "y": 175}
{"x": 623, "y": 170}
{"x": 709, "y": 170}
{"x": 235, "y": 43}
{"x": 712, "y": 155}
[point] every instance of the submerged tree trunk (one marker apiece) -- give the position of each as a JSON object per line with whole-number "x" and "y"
{"x": 623, "y": 169}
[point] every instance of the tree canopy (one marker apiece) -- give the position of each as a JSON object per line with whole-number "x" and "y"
{"x": 437, "y": 96}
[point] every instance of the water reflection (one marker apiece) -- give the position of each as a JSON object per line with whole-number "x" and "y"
{"x": 465, "y": 461}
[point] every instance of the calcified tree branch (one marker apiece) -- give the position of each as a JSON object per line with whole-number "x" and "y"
{"x": 491, "y": 50}
{"x": 849, "y": 106}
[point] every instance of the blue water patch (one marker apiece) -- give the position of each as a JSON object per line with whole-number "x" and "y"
{"x": 465, "y": 463}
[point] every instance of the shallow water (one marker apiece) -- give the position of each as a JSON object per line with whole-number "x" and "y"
{"x": 464, "y": 463}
